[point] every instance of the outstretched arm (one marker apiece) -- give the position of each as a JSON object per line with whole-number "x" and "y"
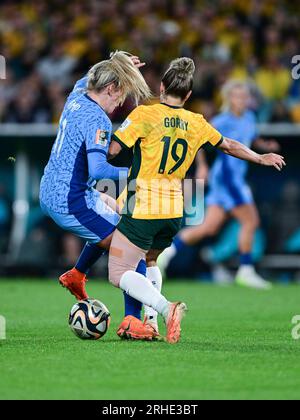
{"x": 238, "y": 150}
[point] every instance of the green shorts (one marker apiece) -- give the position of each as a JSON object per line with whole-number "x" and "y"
{"x": 150, "y": 234}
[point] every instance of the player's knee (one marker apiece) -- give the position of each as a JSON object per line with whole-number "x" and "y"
{"x": 252, "y": 223}
{"x": 113, "y": 279}
{"x": 151, "y": 257}
{"x": 212, "y": 230}
{"x": 256, "y": 223}
{"x": 114, "y": 274}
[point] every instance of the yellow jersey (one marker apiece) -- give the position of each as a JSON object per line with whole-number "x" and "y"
{"x": 166, "y": 140}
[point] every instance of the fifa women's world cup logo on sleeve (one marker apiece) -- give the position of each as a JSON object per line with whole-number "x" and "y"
{"x": 2, "y": 328}
{"x": 2, "y": 67}
{"x": 101, "y": 138}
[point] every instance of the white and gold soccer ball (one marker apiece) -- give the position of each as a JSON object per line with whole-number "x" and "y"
{"x": 89, "y": 319}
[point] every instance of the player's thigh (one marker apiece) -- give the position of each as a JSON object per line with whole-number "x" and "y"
{"x": 246, "y": 214}
{"x": 215, "y": 217}
{"x": 123, "y": 256}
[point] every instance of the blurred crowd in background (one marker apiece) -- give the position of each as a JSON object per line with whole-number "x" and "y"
{"x": 48, "y": 44}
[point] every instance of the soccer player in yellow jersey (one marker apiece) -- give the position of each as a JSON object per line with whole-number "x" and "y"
{"x": 166, "y": 138}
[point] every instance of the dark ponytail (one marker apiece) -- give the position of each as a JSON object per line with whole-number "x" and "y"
{"x": 178, "y": 79}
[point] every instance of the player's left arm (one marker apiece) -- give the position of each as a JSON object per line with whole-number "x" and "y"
{"x": 240, "y": 151}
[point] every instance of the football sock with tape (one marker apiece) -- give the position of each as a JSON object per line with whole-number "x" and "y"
{"x": 89, "y": 255}
{"x": 154, "y": 275}
{"x": 134, "y": 307}
{"x": 139, "y": 287}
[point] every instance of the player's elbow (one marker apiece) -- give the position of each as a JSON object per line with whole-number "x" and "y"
{"x": 228, "y": 146}
{"x": 111, "y": 155}
{"x": 94, "y": 174}
{"x": 98, "y": 171}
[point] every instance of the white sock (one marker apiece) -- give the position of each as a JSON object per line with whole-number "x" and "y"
{"x": 154, "y": 275}
{"x": 246, "y": 268}
{"x": 139, "y": 287}
{"x": 166, "y": 256}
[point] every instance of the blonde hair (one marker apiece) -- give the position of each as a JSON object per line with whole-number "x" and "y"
{"x": 228, "y": 88}
{"x": 121, "y": 71}
{"x": 178, "y": 79}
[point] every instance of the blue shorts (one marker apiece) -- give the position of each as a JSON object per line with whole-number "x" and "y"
{"x": 229, "y": 196}
{"x": 92, "y": 225}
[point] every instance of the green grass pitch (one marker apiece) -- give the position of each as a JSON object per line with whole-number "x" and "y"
{"x": 236, "y": 344}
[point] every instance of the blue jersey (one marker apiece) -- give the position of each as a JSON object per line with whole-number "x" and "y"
{"x": 84, "y": 128}
{"x": 242, "y": 129}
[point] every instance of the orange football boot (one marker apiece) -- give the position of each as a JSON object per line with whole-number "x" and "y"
{"x": 74, "y": 281}
{"x": 133, "y": 328}
{"x": 173, "y": 320}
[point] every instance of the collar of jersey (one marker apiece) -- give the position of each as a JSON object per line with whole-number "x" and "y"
{"x": 90, "y": 99}
{"x": 171, "y": 106}
{"x": 238, "y": 117}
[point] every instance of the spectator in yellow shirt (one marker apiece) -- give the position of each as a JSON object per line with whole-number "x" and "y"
{"x": 274, "y": 82}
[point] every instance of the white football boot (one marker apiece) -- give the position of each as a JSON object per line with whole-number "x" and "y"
{"x": 248, "y": 277}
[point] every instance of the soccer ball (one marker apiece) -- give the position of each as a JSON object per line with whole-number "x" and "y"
{"x": 89, "y": 319}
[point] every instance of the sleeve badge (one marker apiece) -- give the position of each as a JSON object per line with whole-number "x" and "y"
{"x": 101, "y": 138}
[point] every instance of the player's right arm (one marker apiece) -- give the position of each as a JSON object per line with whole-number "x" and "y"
{"x": 240, "y": 151}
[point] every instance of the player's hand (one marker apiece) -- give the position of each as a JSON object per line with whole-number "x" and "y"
{"x": 271, "y": 159}
{"x": 136, "y": 61}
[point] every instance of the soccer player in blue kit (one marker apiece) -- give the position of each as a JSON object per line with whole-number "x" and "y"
{"x": 229, "y": 193}
{"x": 78, "y": 160}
